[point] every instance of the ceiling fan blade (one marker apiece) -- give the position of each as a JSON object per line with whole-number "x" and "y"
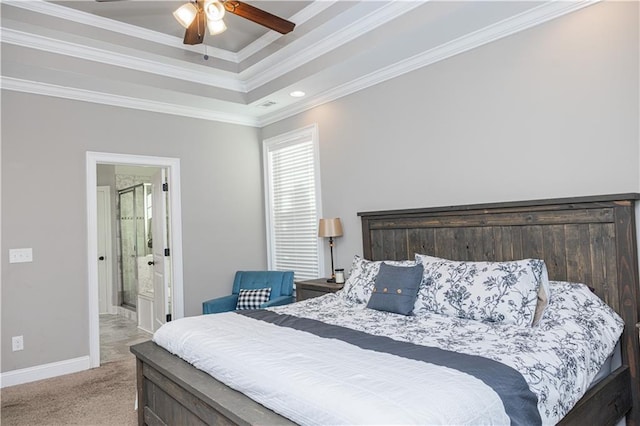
{"x": 195, "y": 32}
{"x": 259, "y": 16}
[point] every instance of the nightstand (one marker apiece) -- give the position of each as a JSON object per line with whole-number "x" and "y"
{"x": 314, "y": 288}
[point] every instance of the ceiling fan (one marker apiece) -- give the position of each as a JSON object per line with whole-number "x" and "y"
{"x": 194, "y": 14}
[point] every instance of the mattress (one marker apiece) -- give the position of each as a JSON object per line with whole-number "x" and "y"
{"x": 613, "y": 362}
{"x": 329, "y": 361}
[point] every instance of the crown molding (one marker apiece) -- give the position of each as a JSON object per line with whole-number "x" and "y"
{"x": 190, "y": 72}
{"x": 299, "y": 18}
{"x": 509, "y": 26}
{"x": 18, "y": 85}
{"x": 521, "y": 22}
{"x": 292, "y": 56}
{"x": 69, "y": 14}
{"x": 270, "y": 68}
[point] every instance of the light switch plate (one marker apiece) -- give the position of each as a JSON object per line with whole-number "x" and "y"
{"x": 20, "y": 255}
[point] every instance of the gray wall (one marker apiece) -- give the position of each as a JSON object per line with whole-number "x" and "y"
{"x": 44, "y": 141}
{"x": 549, "y": 112}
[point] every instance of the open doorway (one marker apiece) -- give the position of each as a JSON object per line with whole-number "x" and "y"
{"x": 146, "y": 285}
{"x": 125, "y": 258}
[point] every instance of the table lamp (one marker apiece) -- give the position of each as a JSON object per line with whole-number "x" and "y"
{"x": 330, "y": 228}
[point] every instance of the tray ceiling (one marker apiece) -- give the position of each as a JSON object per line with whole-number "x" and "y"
{"x": 130, "y": 53}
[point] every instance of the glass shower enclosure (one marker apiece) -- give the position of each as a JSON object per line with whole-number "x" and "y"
{"x": 135, "y": 242}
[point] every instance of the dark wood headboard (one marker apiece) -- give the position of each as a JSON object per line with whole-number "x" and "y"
{"x": 591, "y": 240}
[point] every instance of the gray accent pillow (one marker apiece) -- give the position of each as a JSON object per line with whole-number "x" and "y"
{"x": 362, "y": 278}
{"x": 396, "y": 288}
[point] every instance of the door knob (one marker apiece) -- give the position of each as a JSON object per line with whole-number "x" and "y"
{"x": 101, "y": 258}
{"x": 151, "y": 262}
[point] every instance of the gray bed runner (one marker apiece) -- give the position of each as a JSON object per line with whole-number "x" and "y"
{"x": 519, "y": 402}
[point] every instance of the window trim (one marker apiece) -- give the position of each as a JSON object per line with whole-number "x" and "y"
{"x": 290, "y": 138}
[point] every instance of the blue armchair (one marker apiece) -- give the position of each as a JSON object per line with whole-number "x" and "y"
{"x": 281, "y": 284}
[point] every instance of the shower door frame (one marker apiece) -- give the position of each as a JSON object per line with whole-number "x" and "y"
{"x": 132, "y": 189}
{"x": 172, "y": 165}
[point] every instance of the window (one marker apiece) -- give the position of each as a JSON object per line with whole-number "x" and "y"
{"x": 292, "y": 200}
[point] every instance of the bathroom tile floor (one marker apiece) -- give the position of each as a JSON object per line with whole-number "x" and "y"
{"x": 116, "y": 335}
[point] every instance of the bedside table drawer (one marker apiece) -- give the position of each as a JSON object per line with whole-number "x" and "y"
{"x": 314, "y": 288}
{"x": 304, "y": 294}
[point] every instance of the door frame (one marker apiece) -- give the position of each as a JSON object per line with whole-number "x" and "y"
{"x": 175, "y": 242}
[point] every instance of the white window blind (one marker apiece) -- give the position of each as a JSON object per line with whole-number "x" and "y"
{"x": 292, "y": 192}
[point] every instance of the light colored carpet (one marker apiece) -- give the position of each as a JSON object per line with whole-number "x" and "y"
{"x": 101, "y": 396}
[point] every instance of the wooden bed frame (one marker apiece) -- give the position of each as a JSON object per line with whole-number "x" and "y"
{"x": 588, "y": 239}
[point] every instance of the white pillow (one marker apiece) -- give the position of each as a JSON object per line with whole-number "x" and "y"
{"x": 359, "y": 285}
{"x": 501, "y": 292}
{"x": 544, "y": 296}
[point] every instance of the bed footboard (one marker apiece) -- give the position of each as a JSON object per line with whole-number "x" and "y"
{"x": 172, "y": 392}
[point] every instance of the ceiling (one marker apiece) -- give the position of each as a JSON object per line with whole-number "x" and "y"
{"x": 130, "y": 53}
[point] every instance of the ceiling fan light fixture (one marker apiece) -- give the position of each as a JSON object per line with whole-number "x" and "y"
{"x": 214, "y": 10}
{"x": 185, "y": 14}
{"x": 198, "y": 13}
{"x": 216, "y": 27}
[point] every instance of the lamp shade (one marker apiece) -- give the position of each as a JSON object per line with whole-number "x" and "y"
{"x": 216, "y": 27}
{"x": 214, "y": 10}
{"x": 185, "y": 14}
{"x": 330, "y": 227}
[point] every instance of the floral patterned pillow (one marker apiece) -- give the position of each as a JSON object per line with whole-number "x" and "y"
{"x": 574, "y": 306}
{"x": 359, "y": 285}
{"x": 501, "y": 292}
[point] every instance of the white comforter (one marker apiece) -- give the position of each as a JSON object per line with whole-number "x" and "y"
{"x": 312, "y": 380}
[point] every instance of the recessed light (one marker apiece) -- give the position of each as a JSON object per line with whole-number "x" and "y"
{"x": 297, "y": 93}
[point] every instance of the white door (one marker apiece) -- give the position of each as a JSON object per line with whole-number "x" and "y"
{"x": 161, "y": 265}
{"x": 104, "y": 250}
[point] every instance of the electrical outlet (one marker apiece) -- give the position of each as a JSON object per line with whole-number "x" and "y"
{"x": 17, "y": 343}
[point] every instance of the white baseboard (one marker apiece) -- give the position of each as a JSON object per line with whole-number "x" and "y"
{"x": 45, "y": 371}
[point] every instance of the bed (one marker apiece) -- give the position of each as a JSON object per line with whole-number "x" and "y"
{"x": 590, "y": 240}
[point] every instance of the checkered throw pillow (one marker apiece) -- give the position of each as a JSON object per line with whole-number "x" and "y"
{"x": 252, "y": 299}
